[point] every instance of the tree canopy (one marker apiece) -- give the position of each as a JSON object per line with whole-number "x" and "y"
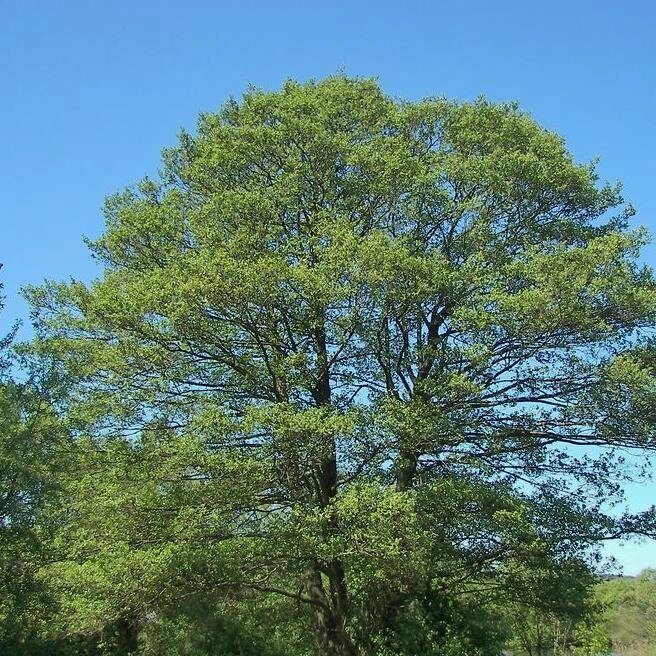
{"x": 367, "y": 367}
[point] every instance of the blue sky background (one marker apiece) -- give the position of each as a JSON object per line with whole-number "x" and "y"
{"x": 91, "y": 92}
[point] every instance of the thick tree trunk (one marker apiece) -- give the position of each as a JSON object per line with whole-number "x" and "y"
{"x": 406, "y": 469}
{"x": 329, "y": 622}
{"x": 331, "y": 606}
{"x": 127, "y": 631}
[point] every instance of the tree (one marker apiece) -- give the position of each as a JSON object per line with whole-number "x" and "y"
{"x": 369, "y": 358}
{"x": 630, "y": 612}
{"x": 570, "y": 625}
{"x": 31, "y": 438}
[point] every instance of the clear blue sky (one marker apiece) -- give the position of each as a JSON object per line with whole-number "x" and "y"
{"x": 91, "y": 92}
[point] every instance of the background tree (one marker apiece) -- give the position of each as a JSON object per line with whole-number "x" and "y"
{"x": 31, "y": 440}
{"x": 370, "y": 357}
{"x": 570, "y": 622}
{"x": 630, "y": 612}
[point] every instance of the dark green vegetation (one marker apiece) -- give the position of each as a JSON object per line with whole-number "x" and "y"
{"x": 621, "y": 619}
{"x": 357, "y": 379}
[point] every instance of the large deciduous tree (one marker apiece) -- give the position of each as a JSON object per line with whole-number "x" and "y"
{"x": 362, "y": 356}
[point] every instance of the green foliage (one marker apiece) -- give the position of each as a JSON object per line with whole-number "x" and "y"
{"x": 630, "y": 615}
{"x": 591, "y": 639}
{"x": 433, "y": 625}
{"x": 347, "y": 357}
{"x": 31, "y": 447}
{"x": 199, "y": 630}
